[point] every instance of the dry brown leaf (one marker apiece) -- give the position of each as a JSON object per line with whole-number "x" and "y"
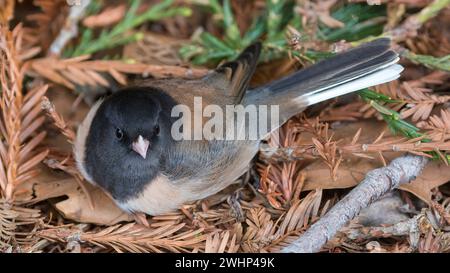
{"x": 77, "y": 207}
{"x": 434, "y": 175}
{"x": 49, "y": 184}
{"x": 349, "y": 174}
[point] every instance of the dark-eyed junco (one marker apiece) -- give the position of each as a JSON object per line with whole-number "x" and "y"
{"x": 127, "y": 146}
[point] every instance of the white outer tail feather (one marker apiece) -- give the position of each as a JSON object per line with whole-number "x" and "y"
{"x": 384, "y": 74}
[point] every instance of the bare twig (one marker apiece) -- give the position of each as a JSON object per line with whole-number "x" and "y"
{"x": 58, "y": 120}
{"x": 377, "y": 183}
{"x": 70, "y": 29}
{"x": 410, "y": 227}
{"x": 284, "y": 154}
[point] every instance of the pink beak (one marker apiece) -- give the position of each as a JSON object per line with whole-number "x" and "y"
{"x": 140, "y": 146}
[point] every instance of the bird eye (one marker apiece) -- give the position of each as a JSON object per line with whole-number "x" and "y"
{"x": 119, "y": 134}
{"x": 156, "y": 130}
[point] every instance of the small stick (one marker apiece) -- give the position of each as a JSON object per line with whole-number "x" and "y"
{"x": 58, "y": 120}
{"x": 377, "y": 183}
{"x": 410, "y": 227}
{"x": 70, "y": 28}
{"x": 285, "y": 154}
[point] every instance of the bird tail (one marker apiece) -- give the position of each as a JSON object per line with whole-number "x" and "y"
{"x": 368, "y": 65}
